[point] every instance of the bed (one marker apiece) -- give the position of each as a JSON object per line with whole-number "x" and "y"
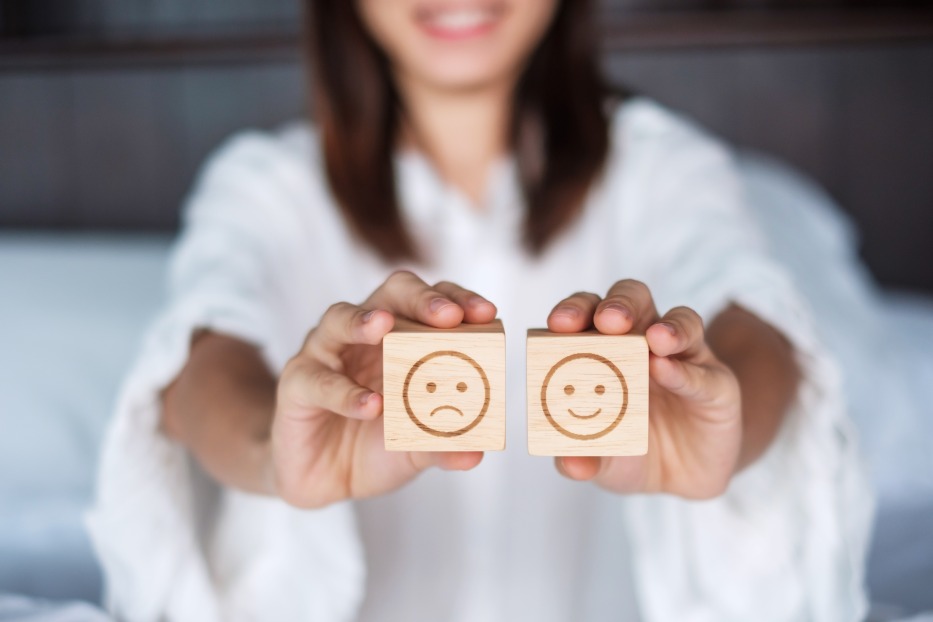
{"x": 74, "y": 306}
{"x": 115, "y": 123}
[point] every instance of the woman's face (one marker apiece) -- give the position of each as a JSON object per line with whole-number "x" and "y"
{"x": 457, "y": 44}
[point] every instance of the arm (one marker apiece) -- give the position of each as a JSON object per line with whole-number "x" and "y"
{"x": 763, "y": 362}
{"x": 312, "y": 436}
{"x": 221, "y": 408}
{"x": 717, "y": 398}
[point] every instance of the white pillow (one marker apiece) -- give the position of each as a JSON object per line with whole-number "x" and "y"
{"x": 72, "y": 311}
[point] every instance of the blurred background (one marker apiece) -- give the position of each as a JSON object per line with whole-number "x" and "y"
{"x": 108, "y": 107}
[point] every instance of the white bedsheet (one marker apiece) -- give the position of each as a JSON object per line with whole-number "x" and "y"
{"x": 72, "y": 308}
{"x": 15, "y": 608}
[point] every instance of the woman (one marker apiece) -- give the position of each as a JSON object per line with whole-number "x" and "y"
{"x": 475, "y": 144}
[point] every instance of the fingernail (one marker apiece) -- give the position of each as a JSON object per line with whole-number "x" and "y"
{"x": 439, "y": 303}
{"x": 668, "y": 327}
{"x": 567, "y": 311}
{"x": 365, "y": 397}
{"x": 368, "y": 316}
{"x": 617, "y": 308}
{"x": 476, "y": 301}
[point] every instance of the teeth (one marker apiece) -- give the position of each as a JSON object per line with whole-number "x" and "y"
{"x": 461, "y": 19}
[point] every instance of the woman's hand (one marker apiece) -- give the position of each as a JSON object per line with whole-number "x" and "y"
{"x": 327, "y": 434}
{"x": 695, "y": 420}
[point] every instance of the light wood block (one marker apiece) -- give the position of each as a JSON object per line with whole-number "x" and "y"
{"x": 587, "y": 394}
{"x": 444, "y": 388}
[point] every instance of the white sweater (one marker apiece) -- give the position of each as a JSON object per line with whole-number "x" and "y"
{"x": 264, "y": 251}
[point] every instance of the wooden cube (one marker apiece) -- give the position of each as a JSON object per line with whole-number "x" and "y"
{"x": 587, "y": 394}
{"x": 444, "y": 388}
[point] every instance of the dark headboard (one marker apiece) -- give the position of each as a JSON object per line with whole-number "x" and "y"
{"x": 106, "y": 114}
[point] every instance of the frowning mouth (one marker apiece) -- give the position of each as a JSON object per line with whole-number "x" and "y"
{"x": 573, "y": 414}
{"x": 447, "y": 407}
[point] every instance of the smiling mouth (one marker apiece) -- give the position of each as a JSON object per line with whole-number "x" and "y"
{"x": 598, "y": 410}
{"x": 459, "y": 22}
{"x": 453, "y": 408}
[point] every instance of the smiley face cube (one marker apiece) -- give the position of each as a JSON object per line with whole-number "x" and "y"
{"x": 444, "y": 389}
{"x": 587, "y": 394}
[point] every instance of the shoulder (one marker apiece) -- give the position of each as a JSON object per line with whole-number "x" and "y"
{"x": 645, "y": 123}
{"x": 648, "y": 138}
{"x": 261, "y": 173}
{"x": 659, "y": 153}
{"x": 263, "y": 153}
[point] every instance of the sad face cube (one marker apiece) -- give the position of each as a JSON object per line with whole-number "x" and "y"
{"x": 444, "y": 389}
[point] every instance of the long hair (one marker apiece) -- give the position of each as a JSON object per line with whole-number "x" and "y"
{"x": 559, "y": 128}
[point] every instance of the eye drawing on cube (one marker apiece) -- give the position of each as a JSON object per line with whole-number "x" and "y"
{"x": 420, "y": 393}
{"x": 444, "y": 388}
{"x": 587, "y": 394}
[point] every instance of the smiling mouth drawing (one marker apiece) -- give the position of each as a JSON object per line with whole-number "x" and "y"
{"x": 586, "y": 434}
{"x": 453, "y": 408}
{"x": 598, "y": 410}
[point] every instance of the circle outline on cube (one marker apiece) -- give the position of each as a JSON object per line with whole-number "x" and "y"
{"x": 547, "y": 380}
{"x": 442, "y": 433}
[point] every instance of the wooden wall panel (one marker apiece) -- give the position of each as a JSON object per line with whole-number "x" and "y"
{"x": 219, "y": 101}
{"x": 146, "y": 16}
{"x": 36, "y": 150}
{"x": 886, "y": 159}
{"x": 858, "y": 119}
{"x": 705, "y": 80}
{"x": 119, "y": 147}
{"x": 781, "y": 101}
{"x": 129, "y": 144}
{"x": 797, "y": 91}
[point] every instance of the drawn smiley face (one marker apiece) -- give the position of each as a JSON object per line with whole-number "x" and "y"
{"x": 584, "y": 396}
{"x": 446, "y": 393}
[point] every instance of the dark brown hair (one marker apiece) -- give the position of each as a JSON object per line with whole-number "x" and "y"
{"x": 559, "y": 131}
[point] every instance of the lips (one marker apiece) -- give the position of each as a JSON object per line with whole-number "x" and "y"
{"x": 458, "y": 21}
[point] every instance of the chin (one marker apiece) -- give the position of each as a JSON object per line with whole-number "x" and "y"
{"x": 464, "y": 77}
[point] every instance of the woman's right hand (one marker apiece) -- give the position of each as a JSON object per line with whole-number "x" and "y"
{"x": 327, "y": 434}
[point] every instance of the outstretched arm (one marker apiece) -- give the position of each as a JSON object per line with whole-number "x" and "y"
{"x": 312, "y": 436}
{"x": 717, "y": 396}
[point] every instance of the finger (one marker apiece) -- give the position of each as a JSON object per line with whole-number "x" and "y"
{"x": 627, "y": 308}
{"x": 445, "y": 460}
{"x": 578, "y": 468}
{"x": 476, "y": 309}
{"x": 684, "y": 378}
{"x": 679, "y": 333}
{"x": 619, "y": 474}
{"x": 573, "y": 314}
{"x": 309, "y": 387}
{"x": 625, "y": 474}
{"x": 344, "y": 324}
{"x": 406, "y": 295}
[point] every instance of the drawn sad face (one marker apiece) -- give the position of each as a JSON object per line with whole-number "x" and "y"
{"x": 584, "y": 396}
{"x": 446, "y": 393}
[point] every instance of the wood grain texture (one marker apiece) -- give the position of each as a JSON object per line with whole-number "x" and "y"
{"x": 587, "y": 394}
{"x": 88, "y": 145}
{"x": 141, "y": 40}
{"x": 444, "y": 389}
{"x": 858, "y": 119}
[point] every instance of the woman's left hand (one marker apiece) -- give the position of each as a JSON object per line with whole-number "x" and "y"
{"x": 695, "y": 412}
